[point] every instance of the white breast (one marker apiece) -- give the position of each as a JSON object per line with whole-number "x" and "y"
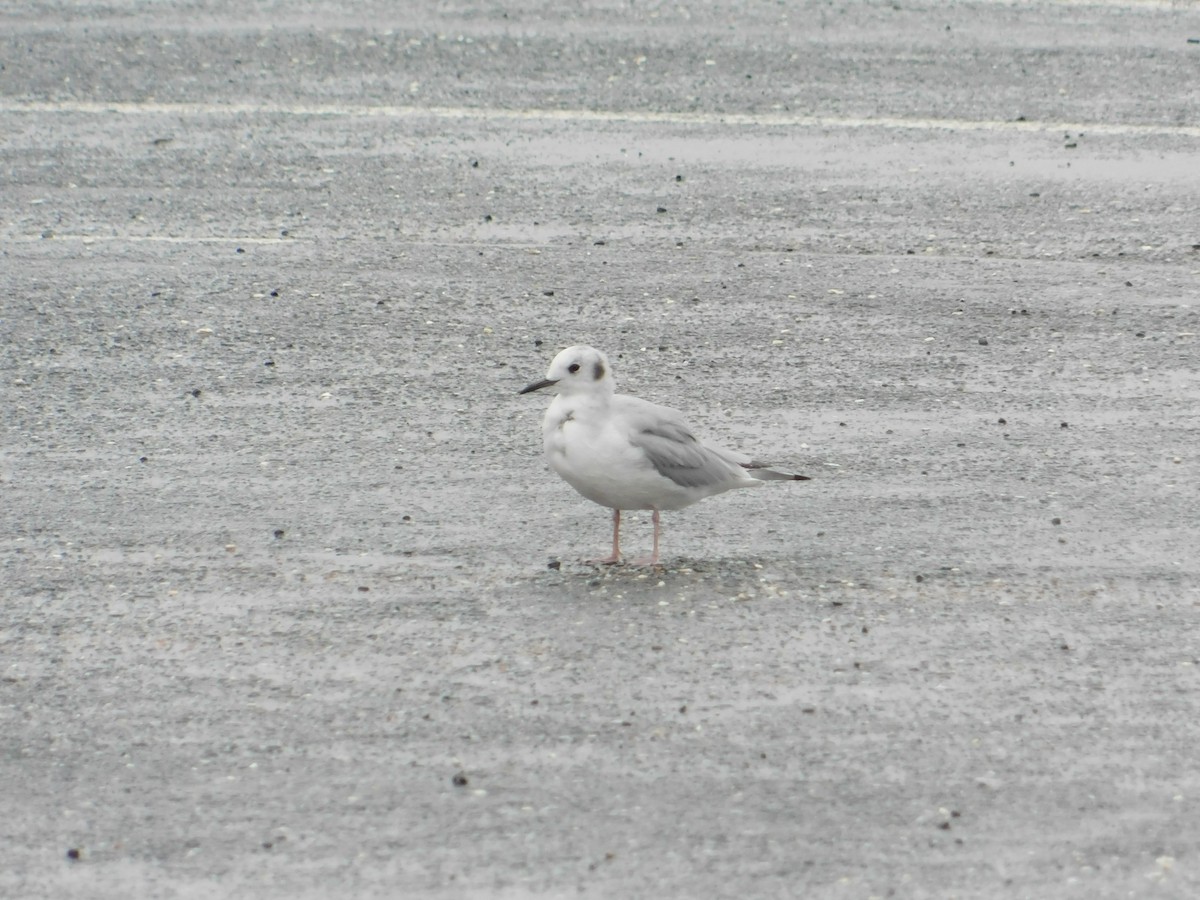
{"x": 594, "y": 457}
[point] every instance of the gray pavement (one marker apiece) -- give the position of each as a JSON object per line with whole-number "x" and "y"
{"x": 291, "y": 604}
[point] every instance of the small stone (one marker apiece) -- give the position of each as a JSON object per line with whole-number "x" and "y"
{"x": 554, "y": 564}
{"x": 279, "y": 533}
{"x": 1056, "y": 521}
{"x": 73, "y": 854}
{"x": 459, "y": 780}
{"x": 983, "y": 342}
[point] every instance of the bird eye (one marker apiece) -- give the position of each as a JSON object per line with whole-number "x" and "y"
{"x": 573, "y": 368}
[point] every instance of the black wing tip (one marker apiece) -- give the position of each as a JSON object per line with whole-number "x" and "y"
{"x": 776, "y": 474}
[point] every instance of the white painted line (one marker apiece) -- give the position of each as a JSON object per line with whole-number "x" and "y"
{"x": 744, "y": 120}
{"x": 145, "y": 238}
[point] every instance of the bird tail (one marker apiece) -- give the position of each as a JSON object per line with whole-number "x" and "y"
{"x": 755, "y": 469}
{"x": 770, "y": 473}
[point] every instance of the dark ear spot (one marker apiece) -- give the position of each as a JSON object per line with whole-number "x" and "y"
{"x": 598, "y": 371}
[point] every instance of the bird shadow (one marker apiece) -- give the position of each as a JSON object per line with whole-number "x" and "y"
{"x": 680, "y": 566}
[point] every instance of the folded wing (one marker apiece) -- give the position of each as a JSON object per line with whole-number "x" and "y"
{"x": 675, "y": 453}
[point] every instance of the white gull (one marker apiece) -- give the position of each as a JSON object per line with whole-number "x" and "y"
{"x": 626, "y": 453}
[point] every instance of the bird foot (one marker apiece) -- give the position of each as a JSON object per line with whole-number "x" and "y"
{"x": 606, "y": 561}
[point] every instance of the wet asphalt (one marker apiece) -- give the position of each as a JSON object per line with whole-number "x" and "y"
{"x": 292, "y": 605}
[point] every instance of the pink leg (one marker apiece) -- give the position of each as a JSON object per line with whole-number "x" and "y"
{"x": 652, "y": 559}
{"x": 616, "y": 551}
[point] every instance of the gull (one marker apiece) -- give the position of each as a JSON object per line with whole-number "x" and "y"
{"x": 627, "y": 453}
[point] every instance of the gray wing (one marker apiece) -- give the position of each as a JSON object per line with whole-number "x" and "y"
{"x": 661, "y": 433}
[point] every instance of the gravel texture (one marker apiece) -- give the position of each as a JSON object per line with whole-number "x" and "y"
{"x": 292, "y": 606}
